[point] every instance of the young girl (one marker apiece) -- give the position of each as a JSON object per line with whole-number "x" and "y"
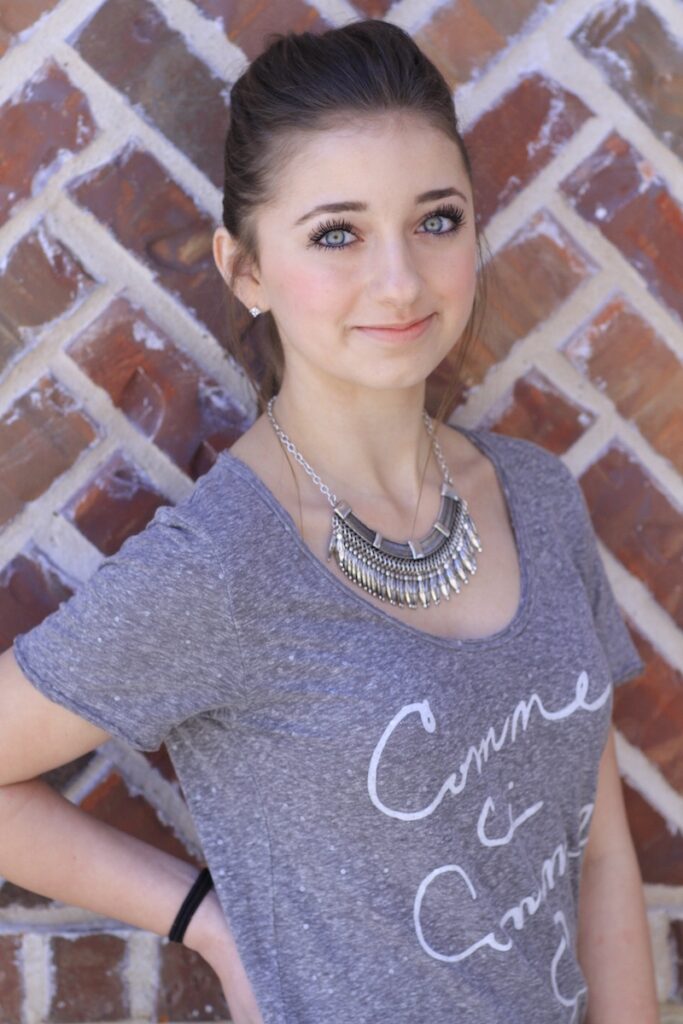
{"x": 380, "y": 649}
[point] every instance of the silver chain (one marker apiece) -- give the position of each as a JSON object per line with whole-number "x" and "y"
{"x": 332, "y": 498}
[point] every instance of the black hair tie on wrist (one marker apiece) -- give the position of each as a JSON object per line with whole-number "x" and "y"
{"x": 202, "y": 884}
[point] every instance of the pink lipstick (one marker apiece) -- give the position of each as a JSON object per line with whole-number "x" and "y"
{"x": 407, "y": 333}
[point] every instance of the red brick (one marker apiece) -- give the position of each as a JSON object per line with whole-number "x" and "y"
{"x": 159, "y": 387}
{"x": 462, "y": 37}
{"x": 11, "y": 988}
{"x": 620, "y": 192}
{"x": 189, "y": 989}
{"x": 642, "y": 60}
{"x": 40, "y": 128}
{"x": 373, "y": 8}
{"x": 117, "y": 502}
{"x": 152, "y": 216}
{"x": 40, "y": 280}
{"x": 536, "y": 410}
{"x": 130, "y": 44}
{"x": 622, "y": 355}
{"x": 160, "y": 760}
{"x": 659, "y": 850}
{"x": 460, "y": 41}
{"x": 677, "y": 941}
{"x": 17, "y": 898}
{"x": 113, "y": 803}
{"x": 31, "y": 588}
{"x": 648, "y": 711}
{"x": 518, "y": 137}
{"x": 41, "y": 436}
{"x": 639, "y": 524}
{"x": 248, "y": 24}
{"x": 18, "y": 16}
{"x": 529, "y": 279}
{"x": 88, "y": 980}
{"x": 64, "y": 774}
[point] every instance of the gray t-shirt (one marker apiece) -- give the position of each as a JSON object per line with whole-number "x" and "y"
{"x": 394, "y": 821}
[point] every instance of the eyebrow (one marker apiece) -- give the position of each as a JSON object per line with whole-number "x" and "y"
{"x": 357, "y": 207}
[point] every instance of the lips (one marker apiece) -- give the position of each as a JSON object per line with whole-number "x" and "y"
{"x": 393, "y": 327}
{"x": 396, "y": 335}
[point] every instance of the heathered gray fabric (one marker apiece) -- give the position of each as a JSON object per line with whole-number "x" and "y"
{"x": 394, "y": 821}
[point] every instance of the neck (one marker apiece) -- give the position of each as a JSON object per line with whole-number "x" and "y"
{"x": 373, "y": 445}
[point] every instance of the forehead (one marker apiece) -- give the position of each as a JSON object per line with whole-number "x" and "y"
{"x": 359, "y": 157}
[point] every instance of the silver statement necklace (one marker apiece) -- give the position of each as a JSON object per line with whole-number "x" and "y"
{"x": 409, "y": 574}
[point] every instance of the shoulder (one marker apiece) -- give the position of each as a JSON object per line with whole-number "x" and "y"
{"x": 523, "y": 461}
{"x": 543, "y": 484}
{"x": 224, "y": 504}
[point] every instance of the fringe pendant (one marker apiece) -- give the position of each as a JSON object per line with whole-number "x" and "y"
{"x": 412, "y": 574}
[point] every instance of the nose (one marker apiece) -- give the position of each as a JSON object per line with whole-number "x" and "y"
{"x": 396, "y": 280}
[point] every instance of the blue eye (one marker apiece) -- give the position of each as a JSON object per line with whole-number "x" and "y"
{"x": 328, "y": 228}
{"x": 447, "y": 211}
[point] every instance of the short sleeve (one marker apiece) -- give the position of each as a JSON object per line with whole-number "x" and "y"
{"x": 622, "y": 654}
{"x": 146, "y": 642}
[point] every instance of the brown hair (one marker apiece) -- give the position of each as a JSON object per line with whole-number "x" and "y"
{"x": 304, "y": 83}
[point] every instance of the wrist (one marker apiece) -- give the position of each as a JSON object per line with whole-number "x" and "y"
{"x": 206, "y": 926}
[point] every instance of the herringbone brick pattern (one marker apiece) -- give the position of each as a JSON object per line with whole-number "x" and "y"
{"x": 115, "y": 395}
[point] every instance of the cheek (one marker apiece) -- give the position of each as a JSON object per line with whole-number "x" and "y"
{"x": 458, "y": 275}
{"x": 310, "y": 290}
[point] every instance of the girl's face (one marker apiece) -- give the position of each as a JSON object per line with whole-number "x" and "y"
{"x": 402, "y": 249}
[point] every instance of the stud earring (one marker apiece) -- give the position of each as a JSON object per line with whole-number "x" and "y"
{"x": 254, "y": 311}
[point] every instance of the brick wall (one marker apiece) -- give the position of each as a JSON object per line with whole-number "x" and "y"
{"x": 115, "y": 395}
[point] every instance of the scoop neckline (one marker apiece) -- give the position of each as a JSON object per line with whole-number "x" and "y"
{"x": 511, "y": 500}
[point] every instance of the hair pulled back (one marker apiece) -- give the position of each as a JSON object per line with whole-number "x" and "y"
{"x": 304, "y": 83}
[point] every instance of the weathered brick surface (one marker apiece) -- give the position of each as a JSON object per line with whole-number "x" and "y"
{"x": 189, "y": 989}
{"x": 246, "y": 23}
{"x": 152, "y": 216}
{"x": 373, "y": 8}
{"x": 463, "y": 37}
{"x": 118, "y": 501}
{"x": 158, "y": 387}
{"x": 160, "y": 760}
{"x": 15, "y": 897}
{"x": 540, "y": 262}
{"x": 129, "y": 43}
{"x": 620, "y": 191}
{"x": 620, "y": 352}
{"x": 18, "y": 17}
{"x": 88, "y": 976}
{"x": 537, "y": 410}
{"x": 513, "y": 141}
{"x": 643, "y": 60}
{"x": 31, "y": 587}
{"x": 676, "y": 933}
{"x": 11, "y": 986}
{"x": 40, "y": 128}
{"x": 41, "y": 436}
{"x": 639, "y": 524}
{"x": 570, "y": 355}
{"x": 40, "y": 280}
{"x": 660, "y": 851}
{"x": 648, "y": 711}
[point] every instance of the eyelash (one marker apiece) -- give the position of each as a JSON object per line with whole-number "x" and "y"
{"x": 453, "y": 213}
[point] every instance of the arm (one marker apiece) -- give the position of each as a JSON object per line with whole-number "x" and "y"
{"x": 51, "y": 847}
{"x": 613, "y": 937}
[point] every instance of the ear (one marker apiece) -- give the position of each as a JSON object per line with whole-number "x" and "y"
{"x": 247, "y": 286}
